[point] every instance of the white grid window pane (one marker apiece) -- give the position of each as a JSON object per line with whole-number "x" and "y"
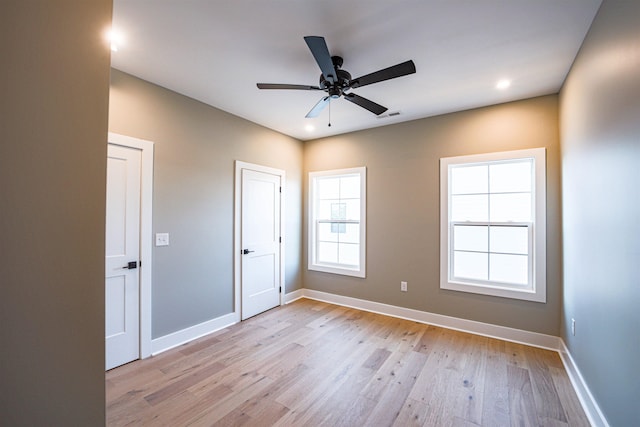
{"x": 470, "y": 238}
{"x": 510, "y": 240}
{"x": 469, "y": 179}
{"x": 327, "y": 252}
{"x": 350, "y": 187}
{"x": 338, "y": 210}
{"x": 509, "y": 269}
{"x": 510, "y": 177}
{"x": 326, "y": 208}
{"x": 470, "y": 265}
{"x": 352, "y": 209}
{"x": 349, "y": 254}
{"x": 470, "y": 208}
{"x": 328, "y": 188}
{"x": 327, "y": 233}
{"x": 515, "y": 207}
{"x": 351, "y": 234}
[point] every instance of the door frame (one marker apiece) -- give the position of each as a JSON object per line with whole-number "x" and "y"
{"x": 237, "y": 231}
{"x": 146, "y": 239}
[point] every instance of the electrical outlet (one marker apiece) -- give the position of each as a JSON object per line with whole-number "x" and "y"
{"x": 403, "y": 286}
{"x": 573, "y": 327}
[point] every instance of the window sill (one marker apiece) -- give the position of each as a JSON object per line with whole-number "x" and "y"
{"x": 337, "y": 270}
{"x": 525, "y": 294}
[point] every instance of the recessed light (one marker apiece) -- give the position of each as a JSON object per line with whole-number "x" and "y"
{"x": 503, "y": 84}
{"x": 309, "y": 128}
{"x": 115, "y": 39}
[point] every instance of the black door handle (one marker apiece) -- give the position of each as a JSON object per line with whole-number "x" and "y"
{"x": 131, "y": 265}
{"x": 246, "y": 251}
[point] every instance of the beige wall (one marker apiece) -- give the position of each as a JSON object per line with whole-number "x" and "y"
{"x": 53, "y": 115}
{"x": 403, "y": 208}
{"x": 600, "y": 117}
{"x": 195, "y": 149}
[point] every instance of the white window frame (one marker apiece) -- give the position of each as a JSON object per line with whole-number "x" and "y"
{"x": 536, "y": 289}
{"x": 336, "y": 268}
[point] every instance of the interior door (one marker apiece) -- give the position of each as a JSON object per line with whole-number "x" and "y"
{"x": 260, "y": 237}
{"x": 122, "y": 292}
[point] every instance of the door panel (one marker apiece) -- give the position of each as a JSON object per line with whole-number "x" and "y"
{"x": 115, "y": 301}
{"x": 122, "y": 292}
{"x": 261, "y": 238}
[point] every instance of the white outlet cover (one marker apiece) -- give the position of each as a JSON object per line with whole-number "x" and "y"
{"x": 162, "y": 239}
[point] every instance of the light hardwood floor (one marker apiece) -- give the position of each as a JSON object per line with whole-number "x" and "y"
{"x": 315, "y": 364}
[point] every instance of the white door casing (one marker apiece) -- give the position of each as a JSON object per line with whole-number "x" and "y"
{"x": 122, "y": 229}
{"x": 122, "y": 253}
{"x": 259, "y": 250}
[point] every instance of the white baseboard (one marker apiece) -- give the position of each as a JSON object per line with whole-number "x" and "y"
{"x": 535, "y": 339}
{"x": 292, "y": 296}
{"x": 191, "y": 333}
{"x": 589, "y": 404}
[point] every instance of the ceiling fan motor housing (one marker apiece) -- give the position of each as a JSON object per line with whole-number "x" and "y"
{"x": 342, "y": 82}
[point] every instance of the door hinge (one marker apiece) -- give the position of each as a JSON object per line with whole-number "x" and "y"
{"x": 281, "y": 189}
{"x": 280, "y": 289}
{"x": 280, "y": 239}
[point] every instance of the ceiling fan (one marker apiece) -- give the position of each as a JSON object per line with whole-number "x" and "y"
{"x": 338, "y": 82}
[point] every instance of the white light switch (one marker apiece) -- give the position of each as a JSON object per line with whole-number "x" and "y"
{"x": 162, "y": 239}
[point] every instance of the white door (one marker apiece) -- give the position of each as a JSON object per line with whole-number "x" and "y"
{"x": 260, "y": 237}
{"x": 122, "y": 254}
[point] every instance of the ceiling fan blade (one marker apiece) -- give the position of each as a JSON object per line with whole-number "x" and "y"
{"x": 318, "y": 107}
{"x": 392, "y": 72}
{"x": 320, "y": 52}
{"x": 285, "y": 86}
{"x": 376, "y": 109}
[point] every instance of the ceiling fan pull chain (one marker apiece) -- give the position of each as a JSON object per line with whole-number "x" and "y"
{"x": 329, "y": 125}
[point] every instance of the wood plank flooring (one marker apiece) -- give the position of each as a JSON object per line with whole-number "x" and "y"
{"x": 315, "y": 364}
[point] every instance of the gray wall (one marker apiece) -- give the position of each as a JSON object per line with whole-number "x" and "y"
{"x": 403, "y": 208}
{"x": 53, "y": 122}
{"x": 195, "y": 149}
{"x": 600, "y": 117}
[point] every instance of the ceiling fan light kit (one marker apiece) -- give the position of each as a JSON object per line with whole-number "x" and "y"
{"x": 337, "y": 82}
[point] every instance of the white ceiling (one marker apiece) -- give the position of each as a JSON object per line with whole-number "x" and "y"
{"x": 216, "y": 52}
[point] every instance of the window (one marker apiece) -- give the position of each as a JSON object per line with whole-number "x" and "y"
{"x": 493, "y": 227}
{"x": 337, "y": 212}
